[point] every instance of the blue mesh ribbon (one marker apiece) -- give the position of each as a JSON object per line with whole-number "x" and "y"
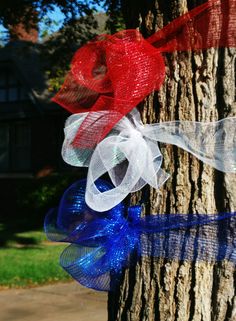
{"x": 103, "y": 243}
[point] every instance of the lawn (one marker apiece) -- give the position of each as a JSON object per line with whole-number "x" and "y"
{"x": 34, "y": 263}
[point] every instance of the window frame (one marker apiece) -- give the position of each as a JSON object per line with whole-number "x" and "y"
{"x": 7, "y": 86}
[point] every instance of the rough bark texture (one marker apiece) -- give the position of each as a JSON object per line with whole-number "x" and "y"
{"x": 199, "y": 86}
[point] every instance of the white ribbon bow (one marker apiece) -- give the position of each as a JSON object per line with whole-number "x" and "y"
{"x": 132, "y": 158}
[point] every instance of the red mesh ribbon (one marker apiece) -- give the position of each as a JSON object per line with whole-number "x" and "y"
{"x": 114, "y": 73}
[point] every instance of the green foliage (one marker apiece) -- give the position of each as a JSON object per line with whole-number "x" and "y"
{"x": 58, "y": 49}
{"x": 56, "y": 79}
{"x": 26, "y": 203}
{"x": 39, "y": 195}
{"x": 13, "y": 11}
{"x": 55, "y": 82}
{"x": 115, "y": 20}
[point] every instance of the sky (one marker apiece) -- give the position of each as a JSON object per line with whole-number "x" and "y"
{"x": 55, "y": 16}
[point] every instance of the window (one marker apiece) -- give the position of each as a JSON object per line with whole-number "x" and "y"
{"x": 15, "y": 143}
{"x": 11, "y": 89}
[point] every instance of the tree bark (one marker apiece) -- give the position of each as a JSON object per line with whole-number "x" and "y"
{"x": 199, "y": 87}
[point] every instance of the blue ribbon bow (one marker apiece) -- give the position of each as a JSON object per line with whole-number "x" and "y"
{"x": 103, "y": 243}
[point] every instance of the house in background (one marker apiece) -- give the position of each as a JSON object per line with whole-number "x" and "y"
{"x": 31, "y": 126}
{"x": 31, "y": 132}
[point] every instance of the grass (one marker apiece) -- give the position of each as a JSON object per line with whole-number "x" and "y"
{"x": 33, "y": 263}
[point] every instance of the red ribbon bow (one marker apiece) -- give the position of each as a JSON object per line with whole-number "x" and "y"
{"x": 116, "y": 72}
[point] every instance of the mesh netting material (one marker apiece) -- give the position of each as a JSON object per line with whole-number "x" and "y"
{"x": 103, "y": 243}
{"x": 132, "y": 158}
{"x": 116, "y": 72}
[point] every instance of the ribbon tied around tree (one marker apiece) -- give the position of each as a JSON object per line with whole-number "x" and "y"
{"x": 109, "y": 77}
{"x": 132, "y": 158}
{"x": 103, "y": 243}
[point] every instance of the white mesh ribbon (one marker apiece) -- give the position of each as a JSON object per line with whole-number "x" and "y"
{"x": 131, "y": 156}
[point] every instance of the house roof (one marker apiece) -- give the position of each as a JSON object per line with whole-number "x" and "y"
{"x": 23, "y": 57}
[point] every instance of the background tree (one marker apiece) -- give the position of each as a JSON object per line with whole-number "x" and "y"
{"x": 78, "y": 26}
{"x": 199, "y": 86}
{"x": 14, "y": 11}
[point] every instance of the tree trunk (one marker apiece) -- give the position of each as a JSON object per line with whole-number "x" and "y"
{"x": 199, "y": 87}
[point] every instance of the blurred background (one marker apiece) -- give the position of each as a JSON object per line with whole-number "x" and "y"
{"x": 37, "y": 42}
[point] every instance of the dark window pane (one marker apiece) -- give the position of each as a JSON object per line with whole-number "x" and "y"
{"x": 13, "y": 94}
{"x": 21, "y": 149}
{"x": 11, "y": 87}
{"x": 12, "y": 79}
{"x": 3, "y": 95}
{"x": 22, "y": 159}
{"x": 4, "y": 160}
{"x": 3, "y": 79}
{"x": 23, "y": 94}
{"x": 22, "y": 137}
{"x": 15, "y": 144}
